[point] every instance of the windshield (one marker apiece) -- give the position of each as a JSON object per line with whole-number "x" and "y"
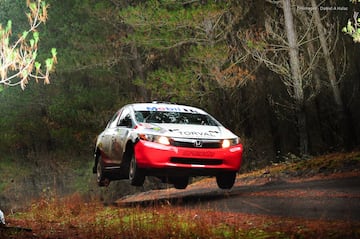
{"x": 174, "y": 118}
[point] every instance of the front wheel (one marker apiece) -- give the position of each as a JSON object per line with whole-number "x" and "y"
{"x": 226, "y": 180}
{"x": 136, "y": 175}
{"x": 180, "y": 182}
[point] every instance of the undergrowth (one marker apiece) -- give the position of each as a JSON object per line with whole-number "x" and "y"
{"x": 71, "y": 217}
{"x": 319, "y": 165}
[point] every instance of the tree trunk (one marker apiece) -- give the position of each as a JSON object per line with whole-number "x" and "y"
{"x": 344, "y": 118}
{"x": 329, "y": 64}
{"x": 139, "y": 70}
{"x": 297, "y": 81}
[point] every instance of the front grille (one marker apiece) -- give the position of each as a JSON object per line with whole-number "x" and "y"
{"x": 201, "y": 161}
{"x": 194, "y": 143}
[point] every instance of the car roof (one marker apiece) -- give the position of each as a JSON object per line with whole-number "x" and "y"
{"x": 167, "y": 107}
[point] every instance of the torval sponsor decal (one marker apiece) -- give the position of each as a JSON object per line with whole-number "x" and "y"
{"x": 195, "y": 133}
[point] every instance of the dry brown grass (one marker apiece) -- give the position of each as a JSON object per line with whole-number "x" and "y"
{"x": 72, "y": 217}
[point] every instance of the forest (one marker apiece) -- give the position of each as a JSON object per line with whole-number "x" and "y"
{"x": 285, "y": 78}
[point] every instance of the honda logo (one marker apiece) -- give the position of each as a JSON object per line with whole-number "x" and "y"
{"x": 198, "y": 143}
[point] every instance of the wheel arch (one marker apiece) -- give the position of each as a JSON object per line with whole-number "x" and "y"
{"x": 129, "y": 150}
{"x": 97, "y": 154}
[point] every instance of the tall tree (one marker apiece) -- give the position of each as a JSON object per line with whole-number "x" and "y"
{"x": 329, "y": 63}
{"x": 296, "y": 75}
{"x": 182, "y": 46}
{"x": 331, "y": 72}
{"x": 277, "y": 46}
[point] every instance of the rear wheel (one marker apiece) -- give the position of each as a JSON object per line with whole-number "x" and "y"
{"x": 136, "y": 175}
{"x": 100, "y": 174}
{"x": 180, "y": 182}
{"x": 226, "y": 180}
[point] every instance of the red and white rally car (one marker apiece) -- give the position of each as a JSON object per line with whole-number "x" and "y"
{"x": 169, "y": 141}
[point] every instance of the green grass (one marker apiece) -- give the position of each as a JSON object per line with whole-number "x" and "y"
{"x": 10, "y": 170}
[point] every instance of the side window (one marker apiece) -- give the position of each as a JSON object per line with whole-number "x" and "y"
{"x": 112, "y": 122}
{"x": 125, "y": 119}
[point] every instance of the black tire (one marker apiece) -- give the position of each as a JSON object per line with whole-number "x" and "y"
{"x": 136, "y": 175}
{"x": 101, "y": 179}
{"x": 226, "y": 180}
{"x": 180, "y": 182}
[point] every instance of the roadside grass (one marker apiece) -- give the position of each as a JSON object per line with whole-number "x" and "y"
{"x": 320, "y": 165}
{"x": 72, "y": 217}
{"x": 75, "y": 216}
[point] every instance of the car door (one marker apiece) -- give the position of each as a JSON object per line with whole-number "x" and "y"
{"x": 119, "y": 136}
{"x": 106, "y": 136}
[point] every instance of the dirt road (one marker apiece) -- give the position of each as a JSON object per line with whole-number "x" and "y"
{"x": 325, "y": 198}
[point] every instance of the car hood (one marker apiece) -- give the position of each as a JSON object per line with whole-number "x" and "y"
{"x": 188, "y": 131}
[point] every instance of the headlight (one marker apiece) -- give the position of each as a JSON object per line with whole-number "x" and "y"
{"x": 230, "y": 142}
{"x": 163, "y": 140}
{"x": 155, "y": 138}
{"x": 226, "y": 143}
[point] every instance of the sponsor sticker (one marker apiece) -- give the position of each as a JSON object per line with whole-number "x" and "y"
{"x": 171, "y": 109}
{"x": 199, "y": 134}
